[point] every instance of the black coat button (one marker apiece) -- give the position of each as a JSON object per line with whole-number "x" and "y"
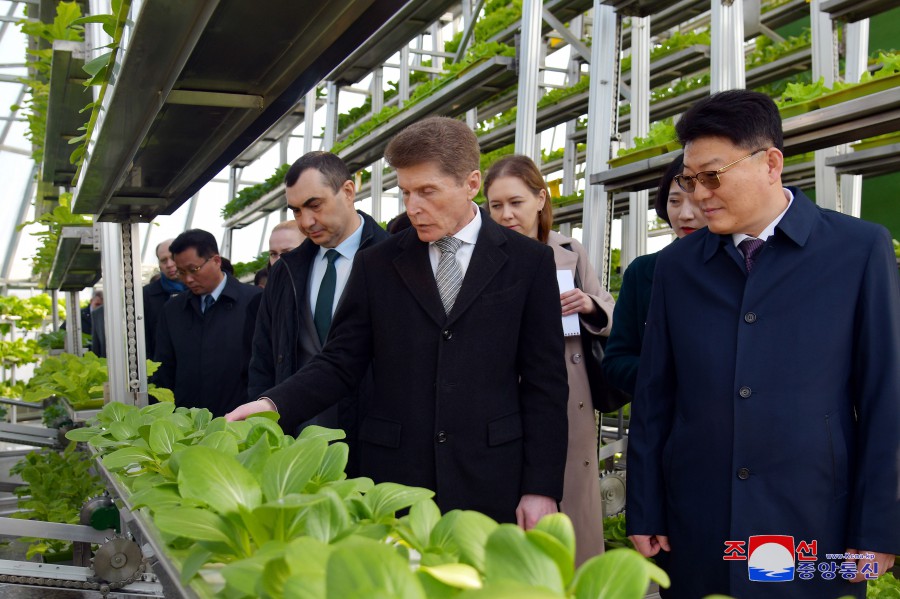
{"x": 745, "y": 392}
{"x": 750, "y": 317}
{"x": 447, "y": 334}
{"x": 743, "y": 473}
{"x": 441, "y": 437}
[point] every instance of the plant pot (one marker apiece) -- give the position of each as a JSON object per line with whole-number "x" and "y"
{"x": 798, "y": 109}
{"x": 875, "y": 142}
{"x": 640, "y": 155}
{"x": 859, "y": 90}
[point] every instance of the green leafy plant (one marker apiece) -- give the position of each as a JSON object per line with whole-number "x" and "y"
{"x": 55, "y": 220}
{"x": 497, "y": 17}
{"x": 65, "y": 26}
{"x": 661, "y": 132}
{"x": 99, "y": 70}
{"x": 247, "y": 268}
{"x": 476, "y": 54}
{"x": 19, "y": 352}
{"x": 57, "y": 340}
{"x": 675, "y": 42}
{"x": 79, "y": 380}
{"x": 250, "y": 194}
{"x": 56, "y": 486}
{"x": 768, "y": 51}
{"x": 29, "y": 313}
{"x": 277, "y": 517}
{"x": 885, "y": 586}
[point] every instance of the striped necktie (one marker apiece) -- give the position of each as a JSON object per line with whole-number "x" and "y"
{"x": 449, "y": 274}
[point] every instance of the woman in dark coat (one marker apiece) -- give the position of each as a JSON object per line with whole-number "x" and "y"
{"x": 623, "y": 350}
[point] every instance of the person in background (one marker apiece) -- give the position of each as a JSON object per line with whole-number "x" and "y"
{"x": 198, "y": 336}
{"x": 285, "y": 237}
{"x": 94, "y": 303}
{"x": 518, "y": 199}
{"x": 623, "y": 350}
{"x": 227, "y": 266}
{"x": 306, "y": 285}
{"x": 764, "y": 423}
{"x": 459, "y": 319}
{"x": 261, "y": 277}
{"x": 158, "y": 292}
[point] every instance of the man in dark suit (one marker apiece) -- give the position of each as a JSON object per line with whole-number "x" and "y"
{"x": 466, "y": 348}
{"x": 308, "y": 282}
{"x": 199, "y": 334}
{"x": 160, "y": 291}
{"x": 768, "y": 396}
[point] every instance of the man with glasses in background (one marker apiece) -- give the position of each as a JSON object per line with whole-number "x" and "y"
{"x": 763, "y": 450}
{"x": 199, "y": 338}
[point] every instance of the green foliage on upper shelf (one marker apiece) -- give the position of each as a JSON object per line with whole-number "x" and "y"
{"x": 19, "y": 352}
{"x": 799, "y": 93}
{"x": 79, "y": 380}
{"x": 559, "y": 153}
{"x": 554, "y": 96}
{"x": 29, "y": 313}
{"x": 677, "y": 41}
{"x": 476, "y": 54}
{"x": 250, "y": 194}
{"x": 247, "y": 268}
{"x": 572, "y": 198}
{"x": 768, "y": 51}
{"x": 498, "y": 15}
{"x": 661, "y": 132}
{"x": 61, "y": 216}
{"x": 57, "y": 339}
{"x": 664, "y": 92}
{"x": 66, "y": 27}
{"x": 276, "y": 516}
{"x": 56, "y": 486}
{"x": 345, "y": 120}
{"x": 99, "y": 72}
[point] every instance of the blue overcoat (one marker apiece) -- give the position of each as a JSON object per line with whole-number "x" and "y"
{"x": 768, "y": 403}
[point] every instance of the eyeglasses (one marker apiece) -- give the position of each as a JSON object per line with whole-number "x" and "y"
{"x": 192, "y": 271}
{"x": 708, "y": 179}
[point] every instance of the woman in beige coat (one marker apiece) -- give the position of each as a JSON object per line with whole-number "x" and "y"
{"x": 518, "y": 199}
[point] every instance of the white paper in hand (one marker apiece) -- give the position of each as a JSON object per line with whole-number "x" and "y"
{"x": 570, "y": 323}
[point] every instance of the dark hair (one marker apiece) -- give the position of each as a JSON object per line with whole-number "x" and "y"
{"x": 202, "y": 241}
{"x": 399, "y": 223}
{"x": 524, "y": 169}
{"x": 448, "y": 143}
{"x": 333, "y": 169}
{"x": 227, "y": 266}
{"x": 261, "y": 275}
{"x": 750, "y": 120}
{"x": 662, "y": 193}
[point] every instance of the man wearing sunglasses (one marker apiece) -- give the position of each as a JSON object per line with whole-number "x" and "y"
{"x": 768, "y": 395}
{"x": 199, "y": 336}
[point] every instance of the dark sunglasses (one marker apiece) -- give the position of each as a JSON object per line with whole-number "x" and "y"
{"x": 708, "y": 179}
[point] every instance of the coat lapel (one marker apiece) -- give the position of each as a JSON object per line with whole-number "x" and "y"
{"x": 299, "y": 270}
{"x": 414, "y": 268}
{"x": 487, "y": 260}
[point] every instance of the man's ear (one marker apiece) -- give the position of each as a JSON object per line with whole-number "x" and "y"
{"x": 473, "y": 183}
{"x": 775, "y": 163}
{"x": 349, "y": 189}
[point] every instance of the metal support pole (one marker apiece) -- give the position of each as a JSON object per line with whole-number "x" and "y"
{"x": 262, "y": 235}
{"x": 726, "y": 62}
{"x": 54, "y": 309}
{"x": 640, "y": 127}
{"x": 331, "y": 115}
{"x": 602, "y": 100}
{"x": 437, "y": 45}
{"x": 16, "y": 234}
{"x": 377, "y": 183}
{"x": 192, "y": 209}
{"x": 73, "y": 324}
{"x": 824, "y": 65}
{"x": 403, "y": 89}
{"x": 857, "y": 40}
{"x": 572, "y": 39}
{"x": 529, "y": 63}
{"x": 309, "y": 112}
{"x": 570, "y": 147}
{"x": 123, "y": 307}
